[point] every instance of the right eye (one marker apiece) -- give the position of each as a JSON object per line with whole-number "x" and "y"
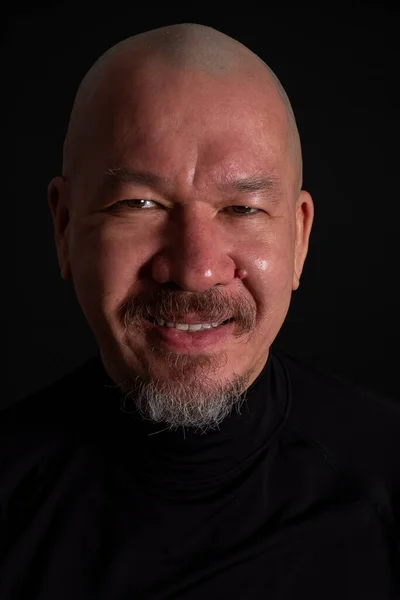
{"x": 133, "y": 201}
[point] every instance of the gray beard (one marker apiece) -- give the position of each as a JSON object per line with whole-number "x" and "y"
{"x": 188, "y": 398}
{"x": 184, "y": 390}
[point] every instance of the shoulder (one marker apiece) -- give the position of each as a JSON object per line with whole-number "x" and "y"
{"x": 322, "y": 400}
{"x": 45, "y": 423}
{"x": 53, "y": 404}
{"x": 356, "y": 428}
{"x": 41, "y": 432}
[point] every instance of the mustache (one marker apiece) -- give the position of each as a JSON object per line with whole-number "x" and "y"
{"x": 211, "y": 306}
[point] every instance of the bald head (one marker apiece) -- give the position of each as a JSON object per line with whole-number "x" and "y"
{"x": 184, "y": 47}
{"x": 180, "y": 201}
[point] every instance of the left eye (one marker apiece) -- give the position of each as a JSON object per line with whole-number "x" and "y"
{"x": 245, "y": 207}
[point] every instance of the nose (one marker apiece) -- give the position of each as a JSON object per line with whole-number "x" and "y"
{"x": 196, "y": 256}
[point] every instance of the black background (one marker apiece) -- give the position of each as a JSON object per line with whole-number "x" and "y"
{"x": 340, "y": 67}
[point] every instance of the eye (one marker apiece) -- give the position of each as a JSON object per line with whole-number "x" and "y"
{"x": 244, "y": 214}
{"x": 141, "y": 204}
{"x": 134, "y": 203}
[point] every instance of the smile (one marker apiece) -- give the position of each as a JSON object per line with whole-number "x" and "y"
{"x": 173, "y": 338}
{"x": 190, "y": 327}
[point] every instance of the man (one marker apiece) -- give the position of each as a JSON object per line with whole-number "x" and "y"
{"x": 189, "y": 459}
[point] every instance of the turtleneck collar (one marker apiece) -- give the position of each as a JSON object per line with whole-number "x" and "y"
{"x": 189, "y": 460}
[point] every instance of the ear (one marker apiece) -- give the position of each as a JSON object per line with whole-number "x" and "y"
{"x": 304, "y": 221}
{"x": 59, "y": 202}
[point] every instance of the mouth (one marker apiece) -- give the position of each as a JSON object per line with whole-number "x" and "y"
{"x": 191, "y": 328}
{"x": 175, "y": 339}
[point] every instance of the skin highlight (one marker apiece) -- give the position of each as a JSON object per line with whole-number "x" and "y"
{"x": 173, "y": 134}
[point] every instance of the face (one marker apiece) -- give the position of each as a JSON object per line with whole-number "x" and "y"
{"x": 184, "y": 210}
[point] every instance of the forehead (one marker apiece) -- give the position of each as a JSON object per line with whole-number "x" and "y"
{"x": 175, "y": 121}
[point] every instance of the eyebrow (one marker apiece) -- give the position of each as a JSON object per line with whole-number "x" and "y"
{"x": 242, "y": 185}
{"x": 251, "y": 184}
{"x": 124, "y": 175}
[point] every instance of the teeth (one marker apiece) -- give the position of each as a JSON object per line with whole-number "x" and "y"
{"x": 187, "y": 327}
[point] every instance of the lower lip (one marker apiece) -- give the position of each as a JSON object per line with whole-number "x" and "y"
{"x": 192, "y": 340}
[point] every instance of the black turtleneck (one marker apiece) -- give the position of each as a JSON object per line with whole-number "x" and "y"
{"x": 186, "y": 463}
{"x": 295, "y": 496}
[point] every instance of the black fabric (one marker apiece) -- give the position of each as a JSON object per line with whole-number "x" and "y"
{"x": 296, "y": 497}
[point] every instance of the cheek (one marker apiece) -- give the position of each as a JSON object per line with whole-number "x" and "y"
{"x": 270, "y": 284}
{"x": 104, "y": 268}
{"x": 270, "y": 267}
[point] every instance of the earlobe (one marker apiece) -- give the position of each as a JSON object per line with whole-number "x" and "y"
{"x": 296, "y": 282}
{"x": 65, "y": 270}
